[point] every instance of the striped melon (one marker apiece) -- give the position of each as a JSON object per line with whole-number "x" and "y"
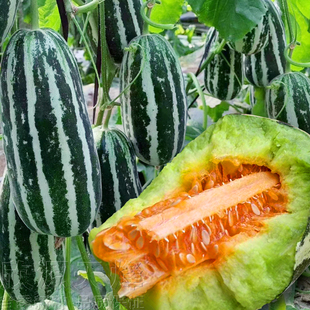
{"x": 7, "y": 17}
{"x": 52, "y": 160}
{"x": 254, "y": 40}
{"x": 123, "y": 22}
{"x": 270, "y": 62}
{"x": 31, "y": 267}
{"x": 223, "y": 77}
{"x": 288, "y": 99}
{"x": 120, "y": 180}
{"x": 154, "y": 106}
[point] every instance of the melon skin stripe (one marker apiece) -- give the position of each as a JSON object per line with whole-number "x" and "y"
{"x": 32, "y": 269}
{"x": 223, "y": 76}
{"x": 270, "y": 62}
{"x": 7, "y": 17}
{"x": 154, "y": 106}
{"x": 120, "y": 179}
{"x": 123, "y": 23}
{"x": 273, "y": 256}
{"x": 52, "y": 161}
{"x": 288, "y": 99}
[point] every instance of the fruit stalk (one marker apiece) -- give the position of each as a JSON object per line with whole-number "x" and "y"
{"x": 67, "y": 280}
{"x": 202, "y": 96}
{"x": 90, "y": 274}
{"x": 34, "y": 15}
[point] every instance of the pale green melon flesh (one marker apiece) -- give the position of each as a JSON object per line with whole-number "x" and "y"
{"x": 259, "y": 269}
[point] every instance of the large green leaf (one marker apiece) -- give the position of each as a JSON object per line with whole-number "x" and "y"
{"x": 232, "y": 18}
{"x": 168, "y": 12}
{"x": 49, "y": 15}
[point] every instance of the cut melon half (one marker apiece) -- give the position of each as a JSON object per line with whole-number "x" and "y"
{"x": 218, "y": 208}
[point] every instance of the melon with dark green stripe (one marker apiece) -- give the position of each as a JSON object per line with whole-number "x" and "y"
{"x": 223, "y": 76}
{"x": 7, "y": 17}
{"x": 31, "y": 267}
{"x": 52, "y": 161}
{"x": 123, "y": 22}
{"x": 154, "y": 102}
{"x": 254, "y": 40}
{"x": 270, "y": 62}
{"x": 120, "y": 179}
{"x": 288, "y": 99}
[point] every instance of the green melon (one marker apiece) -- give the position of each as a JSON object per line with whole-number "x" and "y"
{"x": 223, "y": 226}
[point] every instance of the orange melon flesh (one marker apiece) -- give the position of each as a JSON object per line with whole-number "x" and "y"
{"x": 181, "y": 232}
{"x": 207, "y": 203}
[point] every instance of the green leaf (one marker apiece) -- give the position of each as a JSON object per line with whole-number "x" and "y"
{"x": 217, "y": 112}
{"x": 232, "y": 18}
{"x": 109, "y": 300}
{"x": 168, "y": 12}
{"x": 147, "y": 172}
{"x": 192, "y": 132}
{"x": 100, "y": 277}
{"x": 49, "y": 15}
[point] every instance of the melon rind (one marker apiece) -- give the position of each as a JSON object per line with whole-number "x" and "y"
{"x": 255, "y": 270}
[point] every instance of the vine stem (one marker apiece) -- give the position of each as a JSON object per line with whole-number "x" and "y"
{"x": 90, "y": 274}
{"x": 148, "y": 21}
{"x": 34, "y": 15}
{"x": 148, "y": 15}
{"x": 88, "y": 7}
{"x": 67, "y": 278}
{"x": 5, "y": 301}
{"x": 68, "y": 7}
{"x": 86, "y": 45}
{"x": 291, "y": 61}
{"x": 106, "y": 74}
{"x": 203, "y": 99}
{"x": 292, "y": 37}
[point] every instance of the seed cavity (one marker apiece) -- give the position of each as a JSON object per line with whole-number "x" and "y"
{"x": 156, "y": 241}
